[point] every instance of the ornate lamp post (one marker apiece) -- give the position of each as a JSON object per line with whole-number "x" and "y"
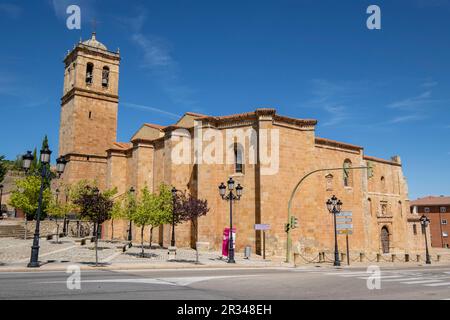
{"x": 334, "y": 206}
{"x": 424, "y": 221}
{"x": 174, "y": 195}
{"x": 60, "y": 166}
{"x": 45, "y": 160}
{"x": 1, "y": 195}
{"x": 130, "y": 237}
{"x": 230, "y": 197}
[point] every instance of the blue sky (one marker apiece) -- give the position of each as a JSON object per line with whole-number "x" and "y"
{"x": 387, "y": 90}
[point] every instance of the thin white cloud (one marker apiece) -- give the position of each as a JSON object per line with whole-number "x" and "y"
{"x": 157, "y": 58}
{"x": 422, "y": 99}
{"x": 152, "y": 109}
{"x": 338, "y": 115}
{"x": 334, "y": 98}
{"x": 10, "y": 10}
{"x": 406, "y": 118}
{"x": 429, "y": 84}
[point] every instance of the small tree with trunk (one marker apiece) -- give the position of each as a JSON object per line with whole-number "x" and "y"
{"x": 129, "y": 208}
{"x": 145, "y": 208}
{"x": 116, "y": 213}
{"x": 191, "y": 209}
{"x": 57, "y": 211}
{"x": 161, "y": 209}
{"x": 95, "y": 207}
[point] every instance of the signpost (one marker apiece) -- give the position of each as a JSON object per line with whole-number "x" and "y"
{"x": 263, "y": 228}
{"x": 344, "y": 225}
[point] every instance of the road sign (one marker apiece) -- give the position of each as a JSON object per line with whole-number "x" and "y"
{"x": 344, "y": 214}
{"x": 262, "y": 226}
{"x": 344, "y": 226}
{"x": 343, "y": 220}
{"x": 345, "y": 231}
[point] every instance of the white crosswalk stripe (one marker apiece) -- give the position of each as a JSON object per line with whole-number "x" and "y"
{"x": 421, "y": 281}
{"x": 405, "y": 277}
{"x": 438, "y": 284}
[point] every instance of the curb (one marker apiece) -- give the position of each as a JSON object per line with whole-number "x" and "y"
{"x": 60, "y": 267}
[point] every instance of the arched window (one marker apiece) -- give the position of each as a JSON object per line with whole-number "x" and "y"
{"x": 414, "y": 229}
{"x": 105, "y": 77}
{"x": 383, "y": 184}
{"x": 238, "y": 158}
{"x": 329, "y": 182}
{"x": 348, "y": 175}
{"x": 89, "y": 73}
{"x": 400, "y": 208}
{"x": 369, "y": 204}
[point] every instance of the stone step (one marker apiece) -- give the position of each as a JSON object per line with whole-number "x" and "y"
{"x": 12, "y": 231}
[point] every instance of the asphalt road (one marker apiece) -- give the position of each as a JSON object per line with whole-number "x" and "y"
{"x": 224, "y": 284}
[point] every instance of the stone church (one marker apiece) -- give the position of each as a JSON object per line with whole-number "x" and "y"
{"x": 381, "y": 219}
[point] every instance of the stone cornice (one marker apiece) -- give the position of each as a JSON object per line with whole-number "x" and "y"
{"x": 332, "y": 143}
{"x": 73, "y": 156}
{"x": 382, "y": 161}
{"x": 76, "y": 91}
{"x": 248, "y": 118}
{"x": 91, "y": 51}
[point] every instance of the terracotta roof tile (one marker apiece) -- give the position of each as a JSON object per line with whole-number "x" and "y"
{"x": 431, "y": 201}
{"x": 154, "y": 126}
{"x": 121, "y": 145}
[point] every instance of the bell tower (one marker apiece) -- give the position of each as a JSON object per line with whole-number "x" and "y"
{"x": 89, "y": 106}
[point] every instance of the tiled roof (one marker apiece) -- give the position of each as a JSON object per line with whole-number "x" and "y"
{"x": 431, "y": 201}
{"x": 154, "y": 126}
{"x": 121, "y": 145}
{"x": 196, "y": 114}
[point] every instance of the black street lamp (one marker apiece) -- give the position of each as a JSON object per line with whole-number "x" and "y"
{"x": 26, "y": 161}
{"x": 230, "y": 197}
{"x": 424, "y": 221}
{"x": 60, "y": 165}
{"x": 1, "y": 195}
{"x": 45, "y": 160}
{"x": 174, "y": 199}
{"x": 66, "y": 222}
{"x": 130, "y": 237}
{"x": 334, "y": 206}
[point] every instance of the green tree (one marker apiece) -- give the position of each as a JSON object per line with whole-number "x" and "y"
{"x": 129, "y": 208}
{"x": 59, "y": 210}
{"x": 117, "y": 213}
{"x": 145, "y": 208}
{"x": 162, "y": 214}
{"x": 26, "y": 195}
{"x": 95, "y": 207}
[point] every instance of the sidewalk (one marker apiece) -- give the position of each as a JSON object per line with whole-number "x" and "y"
{"x": 15, "y": 255}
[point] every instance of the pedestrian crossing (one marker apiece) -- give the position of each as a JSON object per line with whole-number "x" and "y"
{"x": 426, "y": 278}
